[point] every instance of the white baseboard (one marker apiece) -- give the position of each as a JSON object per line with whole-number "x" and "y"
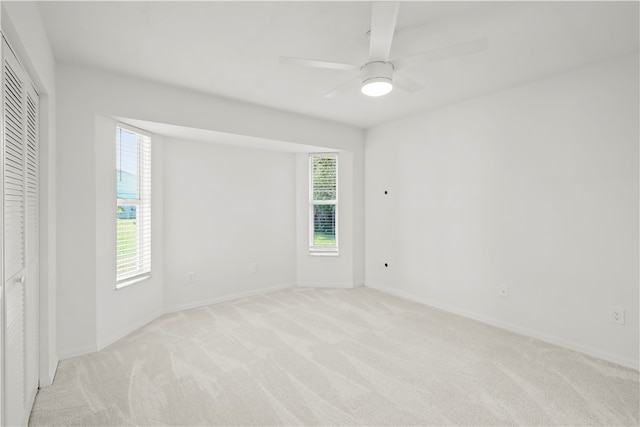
{"x": 121, "y": 334}
{"x": 79, "y": 351}
{"x": 623, "y": 361}
{"x": 47, "y": 380}
{"x": 326, "y": 285}
{"x": 105, "y": 342}
{"x": 225, "y": 298}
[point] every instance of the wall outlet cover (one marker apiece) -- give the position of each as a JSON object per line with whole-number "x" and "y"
{"x": 617, "y": 315}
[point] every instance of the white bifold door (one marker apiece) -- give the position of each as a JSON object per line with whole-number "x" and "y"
{"x": 20, "y": 241}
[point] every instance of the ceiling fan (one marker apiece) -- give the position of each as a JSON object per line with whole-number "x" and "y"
{"x": 379, "y": 75}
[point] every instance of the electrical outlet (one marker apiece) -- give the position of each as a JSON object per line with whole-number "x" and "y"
{"x": 617, "y": 315}
{"x": 253, "y": 268}
{"x": 504, "y": 292}
{"x": 191, "y": 277}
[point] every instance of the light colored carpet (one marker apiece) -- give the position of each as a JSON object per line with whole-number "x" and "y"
{"x": 333, "y": 357}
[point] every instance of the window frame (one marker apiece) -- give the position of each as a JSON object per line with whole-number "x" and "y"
{"x": 323, "y": 250}
{"x": 143, "y": 208}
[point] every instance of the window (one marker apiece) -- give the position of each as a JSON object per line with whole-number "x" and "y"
{"x": 133, "y": 194}
{"x": 323, "y": 204}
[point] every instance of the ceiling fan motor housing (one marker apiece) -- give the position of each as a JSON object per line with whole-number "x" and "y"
{"x": 377, "y": 71}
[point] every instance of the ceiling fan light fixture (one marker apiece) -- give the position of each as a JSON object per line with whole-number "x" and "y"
{"x": 377, "y": 78}
{"x": 377, "y": 86}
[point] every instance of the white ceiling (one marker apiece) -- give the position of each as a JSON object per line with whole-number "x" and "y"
{"x": 232, "y": 48}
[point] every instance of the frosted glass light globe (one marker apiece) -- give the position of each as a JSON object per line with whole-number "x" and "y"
{"x": 377, "y": 87}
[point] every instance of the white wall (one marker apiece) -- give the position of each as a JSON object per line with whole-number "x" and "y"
{"x": 76, "y": 222}
{"x": 342, "y": 270}
{"x": 83, "y": 193}
{"x": 226, "y": 208}
{"x": 534, "y": 188}
{"x": 121, "y": 311}
{"x": 21, "y": 24}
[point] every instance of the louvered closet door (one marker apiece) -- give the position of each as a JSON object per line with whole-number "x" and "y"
{"x": 32, "y": 248}
{"x": 20, "y": 250}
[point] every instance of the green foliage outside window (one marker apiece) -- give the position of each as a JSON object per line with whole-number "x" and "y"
{"x": 324, "y": 177}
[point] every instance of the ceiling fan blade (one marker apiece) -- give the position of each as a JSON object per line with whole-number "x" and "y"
{"x": 314, "y": 63}
{"x": 443, "y": 53}
{"x": 406, "y": 83}
{"x": 352, "y": 83}
{"x": 383, "y": 25}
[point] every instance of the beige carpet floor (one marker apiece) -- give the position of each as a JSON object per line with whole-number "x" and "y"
{"x": 333, "y": 357}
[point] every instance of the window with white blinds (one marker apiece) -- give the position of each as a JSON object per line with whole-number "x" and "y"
{"x": 323, "y": 204}
{"x": 133, "y": 218}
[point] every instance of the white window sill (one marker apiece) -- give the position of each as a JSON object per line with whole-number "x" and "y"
{"x": 132, "y": 281}
{"x": 323, "y": 253}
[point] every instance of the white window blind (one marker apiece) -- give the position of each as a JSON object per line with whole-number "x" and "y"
{"x": 133, "y": 188}
{"x": 323, "y": 204}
